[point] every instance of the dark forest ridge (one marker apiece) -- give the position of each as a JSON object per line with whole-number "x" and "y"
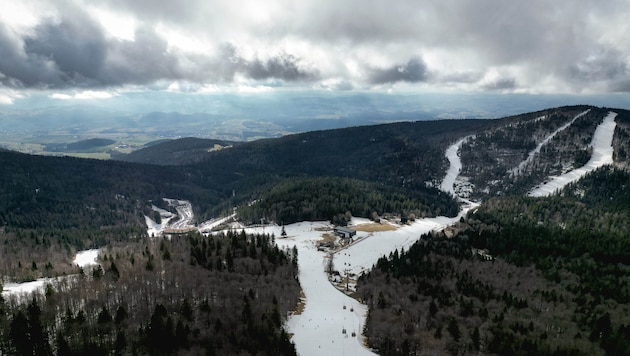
{"x": 134, "y": 119}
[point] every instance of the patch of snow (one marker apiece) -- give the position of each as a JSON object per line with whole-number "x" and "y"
{"x": 26, "y": 288}
{"x": 184, "y": 219}
{"x": 86, "y": 258}
{"x": 540, "y": 118}
{"x": 153, "y": 228}
{"x": 22, "y": 291}
{"x": 602, "y": 155}
{"x": 184, "y": 211}
{"x": 207, "y": 226}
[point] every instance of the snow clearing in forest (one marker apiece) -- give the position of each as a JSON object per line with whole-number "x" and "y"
{"x": 602, "y": 155}
{"x": 536, "y": 150}
{"x": 82, "y": 259}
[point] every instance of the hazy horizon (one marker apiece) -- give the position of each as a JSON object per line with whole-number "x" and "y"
{"x": 68, "y": 64}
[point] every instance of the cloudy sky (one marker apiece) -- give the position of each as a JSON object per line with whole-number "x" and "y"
{"x": 96, "y": 49}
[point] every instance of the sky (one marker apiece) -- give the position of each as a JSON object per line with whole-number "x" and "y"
{"x": 95, "y": 50}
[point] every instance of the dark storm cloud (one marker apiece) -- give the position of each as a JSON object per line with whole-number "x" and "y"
{"x": 21, "y": 69}
{"x": 500, "y": 84}
{"x": 536, "y": 45}
{"x": 229, "y": 62}
{"x": 76, "y": 47}
{"x": 54, "y": 54}
{"x": 283, "y": 67}
{"x": 620, "y": 86}
{"x": 605, "y": 65}
{"x": 415, "y": 70}
{"x": 142, "y": 61}
{"x": 73, "y": 51}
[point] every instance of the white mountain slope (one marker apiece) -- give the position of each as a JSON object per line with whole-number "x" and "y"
{"x": 602, "y": 155}
{"x": 449, "y": 183}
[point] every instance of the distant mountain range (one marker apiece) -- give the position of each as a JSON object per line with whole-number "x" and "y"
{"x": 133, "y": 120}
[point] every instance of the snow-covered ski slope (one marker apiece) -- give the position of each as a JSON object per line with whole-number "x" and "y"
{"x": 535, "y": 151}
{"x": 448, "y": 184}
{"x": 602, "y": 155}
{"x": 318, "y": 329}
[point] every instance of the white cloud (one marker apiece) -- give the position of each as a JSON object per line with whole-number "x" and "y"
{"x": 119, "y": 25}
{"x": 8, "y": 96}
{"x": 84, "y": 95}
{"x": 187, "y": 87}
{"x": 6, "y": 99}
{"x": 253, "y": 89}
{"x": 551, "y": 46}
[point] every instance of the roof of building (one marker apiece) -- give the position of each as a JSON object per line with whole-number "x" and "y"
{"x": 344, "y": 230}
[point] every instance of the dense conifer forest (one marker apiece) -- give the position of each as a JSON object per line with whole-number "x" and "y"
{"x": 224, "y": 294}
{"x": 522, "y": 275}
{"x": 313, "y": 199}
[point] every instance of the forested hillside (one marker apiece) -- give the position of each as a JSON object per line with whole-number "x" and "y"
{"x": 491, "y": 158}
{"x": 522, "y": 276}
{"x": 52, "y": 206}
{"x": 219, "y": 295}
{"x": 401, "y": 162}
{"x": 324, "y": 198}
{"x": 175, "y": 152}
{"x": 519, "y": 275}
{"x": 621, "y": 140}
{"x": 64, "y": 192}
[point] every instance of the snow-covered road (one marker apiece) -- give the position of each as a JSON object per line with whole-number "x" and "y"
{"x": 184, "y": 212}
{"x": 602, "y": 154}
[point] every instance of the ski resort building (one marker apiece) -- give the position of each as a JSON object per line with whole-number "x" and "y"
{"x": 344, "y": 232}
